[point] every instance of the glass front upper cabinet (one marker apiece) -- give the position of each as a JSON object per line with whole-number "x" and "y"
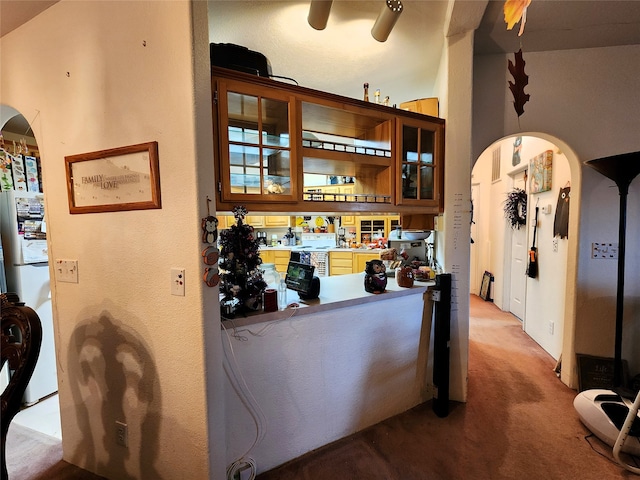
{"x": 257, "y": 151}
{"x": 420, "y": 174}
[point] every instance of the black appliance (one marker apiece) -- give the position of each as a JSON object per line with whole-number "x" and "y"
{"x": 237, "y": 57}
{"x": 262, "y": 238}
{"x": 301, "y": 279}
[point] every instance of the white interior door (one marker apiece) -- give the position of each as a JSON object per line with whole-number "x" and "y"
{"x": 519, "y": 249}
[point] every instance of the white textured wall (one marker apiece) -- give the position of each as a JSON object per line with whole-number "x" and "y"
{"x": 589, "y": 100}
{"x": 97, "y": 75}
{"x": 320, "y": 377}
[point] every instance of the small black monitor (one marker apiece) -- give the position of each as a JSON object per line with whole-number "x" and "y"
{"x": 299, "y": 277}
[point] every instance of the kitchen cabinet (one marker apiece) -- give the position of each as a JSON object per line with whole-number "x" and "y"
{"x": 360, "y": 260}
{"x": 257, "y": 154}
{"x": 420, "y": 164}
{"x": 277, "y": 221}
{"x": 257, "y": 221}
{"x": 281, "y": 259}
{"x": 340, "y": 263}
{"x": 225, "y": 221}
{"x": 278, "y": 256}
{"x": 271, "y": 135}
{"x": 370, "y": 228}
{"x": 267, "y": 256}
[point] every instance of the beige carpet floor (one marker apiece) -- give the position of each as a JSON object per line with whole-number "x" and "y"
{"x": 32, "y": 455}
{"x": 518, "y": 423}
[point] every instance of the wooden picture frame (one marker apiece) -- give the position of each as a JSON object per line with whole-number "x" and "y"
{"x": 485, "y": 286}
{"x": 118, "y": 179}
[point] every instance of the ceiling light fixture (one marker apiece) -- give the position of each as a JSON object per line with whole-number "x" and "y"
{"x": 319, "y": 13}
{"x": 386, "y": 20}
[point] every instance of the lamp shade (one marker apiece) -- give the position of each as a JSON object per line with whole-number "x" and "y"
{"x": 319, "y": 13}
{"x": 386, "y": 20}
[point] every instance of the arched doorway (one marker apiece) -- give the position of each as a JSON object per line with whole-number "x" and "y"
{"x": 550, "y": 298}
{"x": 25, "y": 268}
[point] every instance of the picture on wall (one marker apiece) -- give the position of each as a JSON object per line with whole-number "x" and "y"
{"x": 517, "y": 148}
{"x": 540, "y": 172}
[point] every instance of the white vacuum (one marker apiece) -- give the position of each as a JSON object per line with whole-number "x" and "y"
{"x": 611, "y": 417}
{"x": 604, "y": 413}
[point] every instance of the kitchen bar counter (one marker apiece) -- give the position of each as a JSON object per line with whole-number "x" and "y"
{"x": 330, "y": 368}
{"x": 336, "y": 292}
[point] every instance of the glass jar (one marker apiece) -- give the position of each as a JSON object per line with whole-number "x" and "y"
{"x": 270, "y": 275}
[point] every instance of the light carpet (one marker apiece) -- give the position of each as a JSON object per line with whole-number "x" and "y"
{"x": 30, "y": 452}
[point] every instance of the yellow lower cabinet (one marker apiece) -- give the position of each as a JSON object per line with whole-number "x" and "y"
{"x": 281, "y": 259}
{"x": 340, "y": 263}
{"x": 360, "y": 260}
{"x": 267, "y": 256}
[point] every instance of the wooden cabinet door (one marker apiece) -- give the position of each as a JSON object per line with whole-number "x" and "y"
{"x": 360, "y": 260}
{"x": 340, "y": 263}
{"x": 267, "y": 256}
{"x": 256, "y": 144}
{"x": 277, "y": 221}
{"x": 281, "y": 259}
{"x": 256, "y": 221}
{"x": 420, "y": 164}
{"x": 226, "y": 221}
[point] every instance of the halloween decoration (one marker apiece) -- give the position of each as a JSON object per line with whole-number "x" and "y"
{"x": 521, "y": 81}
{"x": 515, "y": 208}
{"x": 532, "y": 267}
{"x": 241, "y": 279}
{"x": 514, "y": 12}
{"x": 375, "y": 279}
{"x": 561, "y": 221}
{"x": 517, "y": 148}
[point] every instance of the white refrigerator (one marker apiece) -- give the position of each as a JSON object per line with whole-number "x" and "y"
{"x": 24, "y": 246}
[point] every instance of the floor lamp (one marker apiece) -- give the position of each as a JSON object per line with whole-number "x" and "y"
{"x": 604, "y": 412}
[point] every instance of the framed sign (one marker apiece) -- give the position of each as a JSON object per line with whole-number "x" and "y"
{"x": 124, "y": 178}
{"x": 597, "y": 372}
{"x": 485, "y": 286}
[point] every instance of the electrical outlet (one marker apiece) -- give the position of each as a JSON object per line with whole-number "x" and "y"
{"x": 607, "y": 251}
{"x": 177, "y": 282}
{"x": 122, "y": 434}
{"x": 551, "y": 328}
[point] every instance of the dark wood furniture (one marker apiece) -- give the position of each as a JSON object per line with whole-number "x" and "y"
{"x": 21, "y": 340}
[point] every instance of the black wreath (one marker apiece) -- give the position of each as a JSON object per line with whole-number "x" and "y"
{"x": 515, "y": 208}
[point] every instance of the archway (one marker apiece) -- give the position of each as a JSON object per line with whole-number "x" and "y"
{"x": 555, "y": 333}
{"x": 25, "y": 267}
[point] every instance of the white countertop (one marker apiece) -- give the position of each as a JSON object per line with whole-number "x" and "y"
{"x": 319, "y": 249}
{"x": 335, "y": 292}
